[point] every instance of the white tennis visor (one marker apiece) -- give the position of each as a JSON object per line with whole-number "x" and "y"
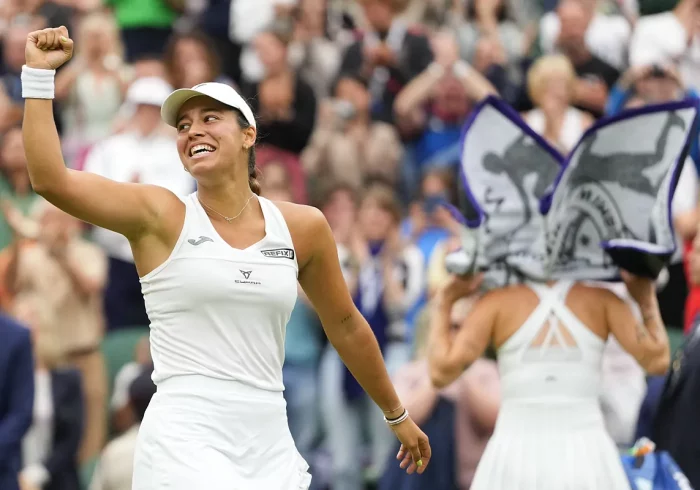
{"x": 217, "y": 91}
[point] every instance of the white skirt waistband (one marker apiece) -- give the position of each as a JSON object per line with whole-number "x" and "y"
{"x": 220, "y": 389}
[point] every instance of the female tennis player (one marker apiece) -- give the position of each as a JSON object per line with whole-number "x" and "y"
{"x": 219, "y": 271}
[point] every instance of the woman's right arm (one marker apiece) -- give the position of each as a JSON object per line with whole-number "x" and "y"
{"x": 449, "y": 354}
{"x": 645, "y": 340}
{"x": 129, "y": 209}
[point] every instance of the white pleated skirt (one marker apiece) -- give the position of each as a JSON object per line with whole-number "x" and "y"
{"x": 550, "y": 446}
{"x": 201, "y": 433}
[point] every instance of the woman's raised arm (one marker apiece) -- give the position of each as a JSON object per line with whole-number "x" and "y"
{"x": 130, "y": 209}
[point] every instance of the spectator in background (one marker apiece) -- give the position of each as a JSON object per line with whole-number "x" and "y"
{"x": 15, "y": 35}
{"x": 474, "y": 20}
{"x": 284, "y": 103}
{"x": 313, "y": 54}
{"x": 16, "y": 397}
{"x": 652, "y": 84}
{"x": 143, "y": 153}
{"x": 15, "y": 188}
{"x": 55, "y": 13}
{"x": 248, "y": 19}
{"x": 428, "y": 223}
{"x": 275, "y": 183}
{"x": 675, "y": 425}
{"x": 10, "y": 106}
{"x": 668, "y": 38}
{"x": 191, "y": 59}
{"x": 338, "y": 202}
{"x": 606, "y": 36}
{"x": 594, "y": 77}
{"x": 116, "y": 465}
{"x": 387, "y": 57}
{"x": 269, "y": 155}
{"x": 390, "y": 279}
{"x": 91, "y": 87}
{"x": 50, "y": 448}
{"x": 148, "y": 66}
{"x": 122, "y": 413}
{"x": 346, "y": 144}
{"x": 439, "y": 100}
{"x": 11, "y": 102}
{"x": 684, "y": 209}
{"x": 551, "y": 83}
{"x": 61, "y": 276}
{"x": 145, "y": 25}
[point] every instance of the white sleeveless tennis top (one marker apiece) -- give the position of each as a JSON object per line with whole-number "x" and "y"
{"x": 218, "y": 311}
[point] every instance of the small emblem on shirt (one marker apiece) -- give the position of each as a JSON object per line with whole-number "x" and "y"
{"x": 246, "y": 278}
{"x": 284, "y": 253}
{"x": 199, "y": 241}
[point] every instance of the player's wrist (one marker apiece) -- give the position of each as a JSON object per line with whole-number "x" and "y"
{"x": 397, "y": 420}
{"x": 394, "y": 412}
{"x": 38, "y": 65}
{"x": 38, "y": 83}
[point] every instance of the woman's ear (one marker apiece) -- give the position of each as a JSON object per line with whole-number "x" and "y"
{"x": 249, "y": 135}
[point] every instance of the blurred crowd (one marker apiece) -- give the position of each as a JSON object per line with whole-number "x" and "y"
{"x": 360, "y": 105}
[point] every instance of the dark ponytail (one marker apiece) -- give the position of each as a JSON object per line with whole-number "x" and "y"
{"x": 252, "y": 168}
{"x": 253, "y": 172}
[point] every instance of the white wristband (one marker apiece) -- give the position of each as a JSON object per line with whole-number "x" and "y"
{"x": 37, "y": 83}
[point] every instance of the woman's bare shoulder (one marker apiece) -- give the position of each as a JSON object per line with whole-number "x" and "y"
{"x": 309, "y": 229}
{"x": 301, "y": 218}
{"x": 599, "y": 290}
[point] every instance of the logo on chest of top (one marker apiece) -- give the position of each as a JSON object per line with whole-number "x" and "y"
{"x": 279, "y": 253}
{"x": 246, "y": 278}
{"x": 199, "y": 241}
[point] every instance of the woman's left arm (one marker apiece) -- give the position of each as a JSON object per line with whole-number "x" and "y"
{"x": 321, "y": 277}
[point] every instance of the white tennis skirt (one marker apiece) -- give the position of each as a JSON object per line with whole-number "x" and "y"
{"x": 209, "y": 434}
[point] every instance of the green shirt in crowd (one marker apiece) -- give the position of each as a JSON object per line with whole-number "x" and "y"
{"x": 142, "y": 13}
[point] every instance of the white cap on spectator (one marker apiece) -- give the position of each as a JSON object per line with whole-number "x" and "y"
{"x": 148, "y": 91}
{"x": 217, "y": 91}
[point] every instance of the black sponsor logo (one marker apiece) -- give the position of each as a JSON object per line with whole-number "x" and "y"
{"x": 246, "y": 278}
{"x": 279, "y": 253}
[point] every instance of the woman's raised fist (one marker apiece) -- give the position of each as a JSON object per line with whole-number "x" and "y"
{"x": 48, "y": 48}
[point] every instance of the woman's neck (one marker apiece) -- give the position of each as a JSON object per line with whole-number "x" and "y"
{"x": 228, "y": 200}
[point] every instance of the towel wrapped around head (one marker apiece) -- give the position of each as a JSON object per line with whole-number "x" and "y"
{"x": 532, "y": 213}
